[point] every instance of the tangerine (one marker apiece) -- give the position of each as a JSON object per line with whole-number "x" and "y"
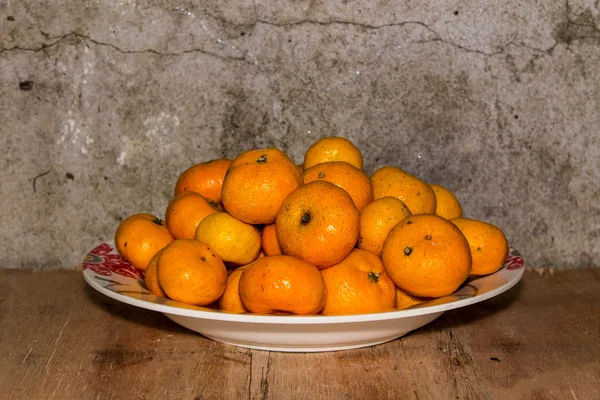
{"x": 270, "y": 242}
{"x": 358, "y": 284}
{"x": 333, "y": 149}
{"x": 377, "y": 219}
{"x": 427, "y": 256}
{"x": 139, "y": 237}
{"x": 190, "y": 272}
{"x": 231, "y": 301}
{"x": 275, "y": 284}
{"x": 487, "y": 243}
{"x": 447, "y": 205}
{"x": 186, "y": 211}
{"x": 232, "y": 240}
{"x": 418, "y": 196}
{"x": 346, "y": 176}
{"x": 204, "y": 178}
{"x": 318, "y": 223}
{"x": 256, "y": 184}
{"x": 151, "y": 276}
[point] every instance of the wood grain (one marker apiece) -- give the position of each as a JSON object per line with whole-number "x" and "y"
{"x": 60, "y": 339}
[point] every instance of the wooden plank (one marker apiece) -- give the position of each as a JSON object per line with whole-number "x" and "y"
{"x": 539, "y": 340}
{"x": 60, "y": 339}
{"x": 517, "y": 345}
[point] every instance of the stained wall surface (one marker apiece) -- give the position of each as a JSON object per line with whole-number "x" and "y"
{"x": 104, "y": 103}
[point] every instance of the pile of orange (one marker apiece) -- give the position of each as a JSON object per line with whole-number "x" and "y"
{"x": 260, "y": 234}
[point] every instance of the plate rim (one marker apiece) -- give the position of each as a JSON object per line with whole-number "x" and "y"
{"x": 216, "y": 315}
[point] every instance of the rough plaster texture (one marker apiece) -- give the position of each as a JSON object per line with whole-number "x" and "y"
{"x": 103, "y": 103}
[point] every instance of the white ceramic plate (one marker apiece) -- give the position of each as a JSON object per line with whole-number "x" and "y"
{"x": 111, "y": 275}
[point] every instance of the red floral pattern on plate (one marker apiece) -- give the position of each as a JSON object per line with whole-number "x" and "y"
{"x": 104, "y": 261}
{"x": 514, "y": 260}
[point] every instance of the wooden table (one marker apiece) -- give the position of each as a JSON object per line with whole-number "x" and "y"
{"x": 60, "y": 339}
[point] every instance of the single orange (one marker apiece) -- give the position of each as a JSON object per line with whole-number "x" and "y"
{"x": 283, "y": 284}
{"x": 358, "y": 285}
{"x": 205, "y": 178}
{"x": 318, "y": 223}
{"x": 377, "y": 219}
{"x": 405, "y": 300}
{"x": 333, "y": 149}
{"x": 427, "y": 256}
{"x": 186, "y": 211}
{"x": 256, "y": 184}
{"x": 346, "y": 176}
{"x": 139, "y": 237}
{"x": 487, "y": 242}
{"x": 231, "y": 301}
{"x": 418, "y": 196}
{"x": 151, "y": 276}
{"x": 232, "y": 240}
{"x": 262, "y": 156}
{"x": 270, "y": 243}
{"x": 447, "y": 205}
{"x": 190, "y": 272}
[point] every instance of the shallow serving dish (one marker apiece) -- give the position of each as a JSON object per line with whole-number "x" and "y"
{"x": 111, "y": 275}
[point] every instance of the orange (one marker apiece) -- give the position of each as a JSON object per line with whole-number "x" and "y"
{"x": 405, "y": 300}
{"x": 270, "y": 243}
{"x": 232, "y": 240}
{"x": 346, "y": 176}
{"x": 487, "y": 242}
{"x": 185, "y": 212}
{"x": 205, "y": 178}
{"x": 231, "y": 301}
{"x": 151, "y": 276}
{"x": 358, "y": 285}
{"x": 418, "y": 196}
{"x": 447, "y": 205}
{"x": 261, "y": 156}
{"x": 190, "y": 272}
{"x": 333, "y": 149}
{"x": 427, "y": 256}
{"x": 282, "y": 284}
{"x": 318, "y": 223}
{"x": 139, "y": 237}
{"x": 256, "y": 184}
{"x": 377, "y": 219}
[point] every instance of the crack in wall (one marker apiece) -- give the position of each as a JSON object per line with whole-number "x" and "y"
{"x": 438, "y": 37}
{"x": 250, "y": 26}
{"x": 44, "y": 47}
{"x": 571, "y": 22}
{"x": 572, "y": 29}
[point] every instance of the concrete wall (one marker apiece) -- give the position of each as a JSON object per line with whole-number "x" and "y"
{"x": 103, "y": 103}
